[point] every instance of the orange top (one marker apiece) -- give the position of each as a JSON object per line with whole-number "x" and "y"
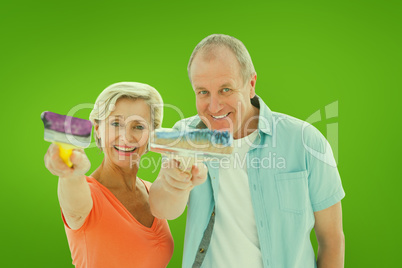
{"x": 112, "y": 237}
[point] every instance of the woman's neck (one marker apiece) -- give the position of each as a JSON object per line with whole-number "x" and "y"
{"x": 114, "y": 177}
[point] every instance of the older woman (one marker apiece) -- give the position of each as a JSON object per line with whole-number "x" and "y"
{"x": 107, "y": 217}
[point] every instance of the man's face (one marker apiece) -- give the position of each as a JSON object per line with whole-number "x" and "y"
{"x": 222, "y": 97}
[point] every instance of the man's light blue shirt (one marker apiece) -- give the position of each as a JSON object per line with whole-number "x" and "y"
{"x": 292, "y": 173}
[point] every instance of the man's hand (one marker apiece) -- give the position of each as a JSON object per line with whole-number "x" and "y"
{"x": 175, "y": 179}
{"x": 169, "y": 193}
{"x": 199, "y": 174}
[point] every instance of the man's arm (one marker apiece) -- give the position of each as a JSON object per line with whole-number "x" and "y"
{"x": 169, "y": 193}
{"x": 330, "y": 237}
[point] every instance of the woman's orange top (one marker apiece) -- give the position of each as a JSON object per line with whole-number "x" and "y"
{"x": 112, "y": 238}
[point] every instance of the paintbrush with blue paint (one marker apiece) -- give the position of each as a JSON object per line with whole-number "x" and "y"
{"x": 192, "y": 146}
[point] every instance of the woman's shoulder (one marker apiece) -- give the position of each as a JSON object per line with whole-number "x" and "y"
{"x": 95, "y": 186}
{"x": 91, "y": 181}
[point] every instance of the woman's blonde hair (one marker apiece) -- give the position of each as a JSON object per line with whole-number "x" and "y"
{"x": 106, "y": 101}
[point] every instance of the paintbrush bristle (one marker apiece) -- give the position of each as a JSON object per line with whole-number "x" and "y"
{"x": 66, "y": 124}
{"x": 202, "y": 140}
{"x": 67, "y": 129}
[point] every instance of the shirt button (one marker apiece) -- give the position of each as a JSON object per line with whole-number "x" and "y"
{"x": 202, "y": 250}
{"x": 213, "y": 214}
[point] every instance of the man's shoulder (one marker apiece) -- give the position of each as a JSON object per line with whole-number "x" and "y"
{"x": 289, "y": 124}
{"x": 187, "y": 123}
{"x": 291, "y": 119}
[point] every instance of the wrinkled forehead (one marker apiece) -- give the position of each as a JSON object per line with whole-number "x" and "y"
{"x": 218, "y": 66}
{"x": 215, "y": 52}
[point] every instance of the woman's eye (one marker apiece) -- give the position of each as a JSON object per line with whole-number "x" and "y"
{"x": 115, "y": 124}
{"x": 226, "y": 90}
{"x": 139, "y": 127}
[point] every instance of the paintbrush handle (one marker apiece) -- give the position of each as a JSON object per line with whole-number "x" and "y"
{"x": 65, "y": 152}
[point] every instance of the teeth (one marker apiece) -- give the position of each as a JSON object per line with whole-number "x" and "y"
{"x": 125, "y": 149}
{"x": 220, "y": 116}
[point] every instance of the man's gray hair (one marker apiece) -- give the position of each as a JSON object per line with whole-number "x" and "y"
{"x": 209, "y": 43}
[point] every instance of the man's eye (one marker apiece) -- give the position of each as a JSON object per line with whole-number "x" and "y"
{"x": 203, "y": 92}
{"x": 115, "y": 124}
{"x": 139, "y": 127}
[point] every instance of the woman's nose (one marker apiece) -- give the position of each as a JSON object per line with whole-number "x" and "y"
{"x": 126, "y": 135}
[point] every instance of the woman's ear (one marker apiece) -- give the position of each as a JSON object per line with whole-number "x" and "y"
{"x": 97, "y": 135}
{"x": 96, "y": 129}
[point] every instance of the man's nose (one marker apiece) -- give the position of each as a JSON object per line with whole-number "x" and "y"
{"x": 215, "y": 104}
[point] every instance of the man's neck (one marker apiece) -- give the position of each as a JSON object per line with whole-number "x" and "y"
{"x": 251, "y": 126}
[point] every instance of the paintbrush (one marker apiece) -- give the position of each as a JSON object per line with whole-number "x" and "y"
{"x": 192, "y": 146}
{"x": 67, "y": 132}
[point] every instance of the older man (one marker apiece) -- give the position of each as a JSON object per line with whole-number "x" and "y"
{"x": 258, "y": 209}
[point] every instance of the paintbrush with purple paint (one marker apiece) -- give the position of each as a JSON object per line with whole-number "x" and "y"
{"x": 67, "y": 132}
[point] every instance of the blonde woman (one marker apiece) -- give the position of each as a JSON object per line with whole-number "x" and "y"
{"x": 107, "y": 217}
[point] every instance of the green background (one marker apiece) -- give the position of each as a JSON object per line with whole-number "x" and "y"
{"x": 55, "y": 55}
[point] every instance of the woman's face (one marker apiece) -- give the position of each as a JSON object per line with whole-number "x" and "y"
{"x": 124, "y": 134}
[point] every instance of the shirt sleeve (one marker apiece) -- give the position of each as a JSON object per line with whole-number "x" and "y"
{"x": 325, "y": 185}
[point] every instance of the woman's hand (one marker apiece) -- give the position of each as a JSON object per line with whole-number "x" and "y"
{"x": 56, "y": 166}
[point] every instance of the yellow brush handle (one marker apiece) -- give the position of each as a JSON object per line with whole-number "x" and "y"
{"x": 65, "y": 152}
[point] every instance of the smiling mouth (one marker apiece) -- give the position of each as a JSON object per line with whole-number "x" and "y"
{"x": 219, "y": 116}
{"x": 125, "y": 149}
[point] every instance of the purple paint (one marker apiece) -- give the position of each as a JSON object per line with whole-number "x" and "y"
{"x": 66, "y": 124}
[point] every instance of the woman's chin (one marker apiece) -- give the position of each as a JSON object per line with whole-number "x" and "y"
{"x": 127, "y": 163}
{"x": 125, "y": 160}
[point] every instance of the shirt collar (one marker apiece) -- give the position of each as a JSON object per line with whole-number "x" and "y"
{"x": 264, "y": 120}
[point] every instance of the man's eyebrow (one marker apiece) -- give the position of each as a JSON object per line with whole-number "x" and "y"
{"x": 200, "y": 88}
{"x": 222, "y": 86}
{"x": 226, "y": 85}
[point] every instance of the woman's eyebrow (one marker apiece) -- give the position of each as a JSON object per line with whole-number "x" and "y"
{"x": 116, "y": 116}
{"x": 138, "y": 121}
{"x": 128, "y": 119}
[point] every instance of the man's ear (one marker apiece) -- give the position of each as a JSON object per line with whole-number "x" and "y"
{"x": 252, "y": 83}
